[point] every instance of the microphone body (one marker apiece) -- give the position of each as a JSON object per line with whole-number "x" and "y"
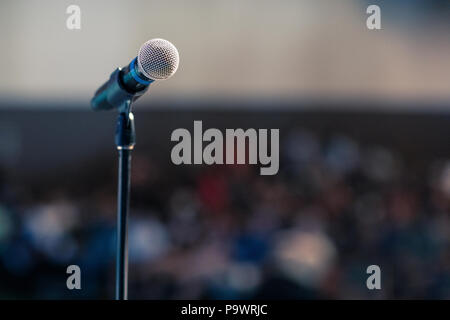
{"x": 157, "y": 59}
{"x": 125, "y": 84}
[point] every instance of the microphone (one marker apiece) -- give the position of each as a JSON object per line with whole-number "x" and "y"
{"x": 157, "y": 59}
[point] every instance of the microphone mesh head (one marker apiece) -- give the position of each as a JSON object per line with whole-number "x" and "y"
{"x": 158, "y": 59}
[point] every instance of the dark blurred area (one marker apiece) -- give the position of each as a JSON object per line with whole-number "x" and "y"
{"x": 354, "y": 189}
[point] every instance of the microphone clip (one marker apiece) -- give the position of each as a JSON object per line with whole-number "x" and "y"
{"x": 125, "y": 129}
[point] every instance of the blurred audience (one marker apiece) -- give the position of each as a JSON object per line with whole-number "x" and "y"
{"x": 225, "y": 232}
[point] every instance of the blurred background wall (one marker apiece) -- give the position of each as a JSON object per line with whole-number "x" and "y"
{"x": 247, "y": 49}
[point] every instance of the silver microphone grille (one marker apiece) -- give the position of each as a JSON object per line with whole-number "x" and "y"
{"x": 158, "y": 59}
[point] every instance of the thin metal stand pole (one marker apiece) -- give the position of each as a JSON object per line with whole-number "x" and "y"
{"x": 125, "y": 139}
{"x": 123, "y": 200}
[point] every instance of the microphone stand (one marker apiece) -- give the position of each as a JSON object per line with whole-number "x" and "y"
{"x": 111, "y": 95}
{"x": 125, "y": 141}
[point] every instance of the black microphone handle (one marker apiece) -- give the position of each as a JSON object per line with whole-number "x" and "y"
{"x": 121, "y": 87}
